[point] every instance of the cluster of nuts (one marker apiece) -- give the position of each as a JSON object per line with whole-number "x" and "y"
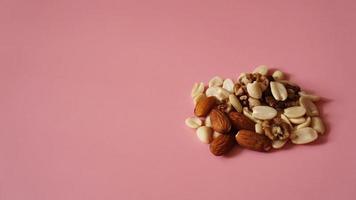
{"x": 259, "y": 111}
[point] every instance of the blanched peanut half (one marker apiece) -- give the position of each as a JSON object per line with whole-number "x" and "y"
{"x": 304, "y": 135}
{"x": 286, "y": 120}
{"x": 258, "y": 128}
{"x": 193, "y": 122}
{"x": 252, "y": 102}
{"x": 278, "y": 90}
{"x": 216, "y": 81}
{"x": 228, "y": 85}
{"x": 198, "y": 88}
{"x": 278, "y": 75}
{"x": 294, "y": 112}
{"x": 198, "y": 98}
{"x": 218, "y": 92}
{"x": 262, "y": 69}
{"x": 254, "y": 90}
{"x": 277, "y": 144}
{"x": 299, "y": 120}
{"x": 234, "y": 101}
{"x": 309, "y": 96}
{"x": 305, "y": 124}
{"x": 318, "y": 125}
{"x": 207, "y": 121}
{"x": 263, "y": 112}
{"x": 205, "y": 134}
{"x": 243, "y": 74}
{"x": 248, "y": 114}
{"x": 309, "y": 106}
{"x": 216, "y": 134}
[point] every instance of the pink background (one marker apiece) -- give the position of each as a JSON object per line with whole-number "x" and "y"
{"x": 94, "y": 95}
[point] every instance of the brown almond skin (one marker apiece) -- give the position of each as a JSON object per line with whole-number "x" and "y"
{"x": 253, "y": 141}
{"x": 219, "y": 121}
{"x": 204, "y": 106}
{"x": 222, "y": 145}
{"x": 240, "y": 121}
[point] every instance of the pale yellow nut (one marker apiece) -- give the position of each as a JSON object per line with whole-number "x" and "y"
{"x": 304, "y": 135}
{"x": 228, "y": 85}
{"x": 205, "y": 134}
{"x": 318, "y": 125}
{"x": 309, "y": 106}
{"x": 264, "y": 112}
{"x": 294, "y": 112}
{"x": 193, "y": 122}
{"x": 235, "y": 102}
{"x": 254, "y": 90}
{"x": 216, "y": 81}
{"x": 278, "y": 90}
{"x": 198, "y": 88}
{"x": 277, "y": 144}
{"x": 278, "y": 75}
{"x": 262, "y": 69}
{"x": 305, "y": 124}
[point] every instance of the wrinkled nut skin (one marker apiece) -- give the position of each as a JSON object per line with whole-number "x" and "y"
{"x": 253, "y": 141}
{"x": 222, "y": 144}
{"x": 240, "y": 121}
{"x": 219, "y": 121}
{"x": 204, "y": 106}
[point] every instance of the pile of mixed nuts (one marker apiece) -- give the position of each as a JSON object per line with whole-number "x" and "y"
{"x": 260, "y": 111}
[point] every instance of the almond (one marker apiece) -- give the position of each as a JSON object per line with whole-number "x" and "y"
{"x": 204, "y": 106}
{"x": 199, "y": 97}
{"x": 219, "y": 121}
{"x": 222, "y": 145}
{"x": 240, "y": 121}
{"x": 253, "y": 141}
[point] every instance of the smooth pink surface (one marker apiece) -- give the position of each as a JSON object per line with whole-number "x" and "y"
{"x": 94, "y": 95}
